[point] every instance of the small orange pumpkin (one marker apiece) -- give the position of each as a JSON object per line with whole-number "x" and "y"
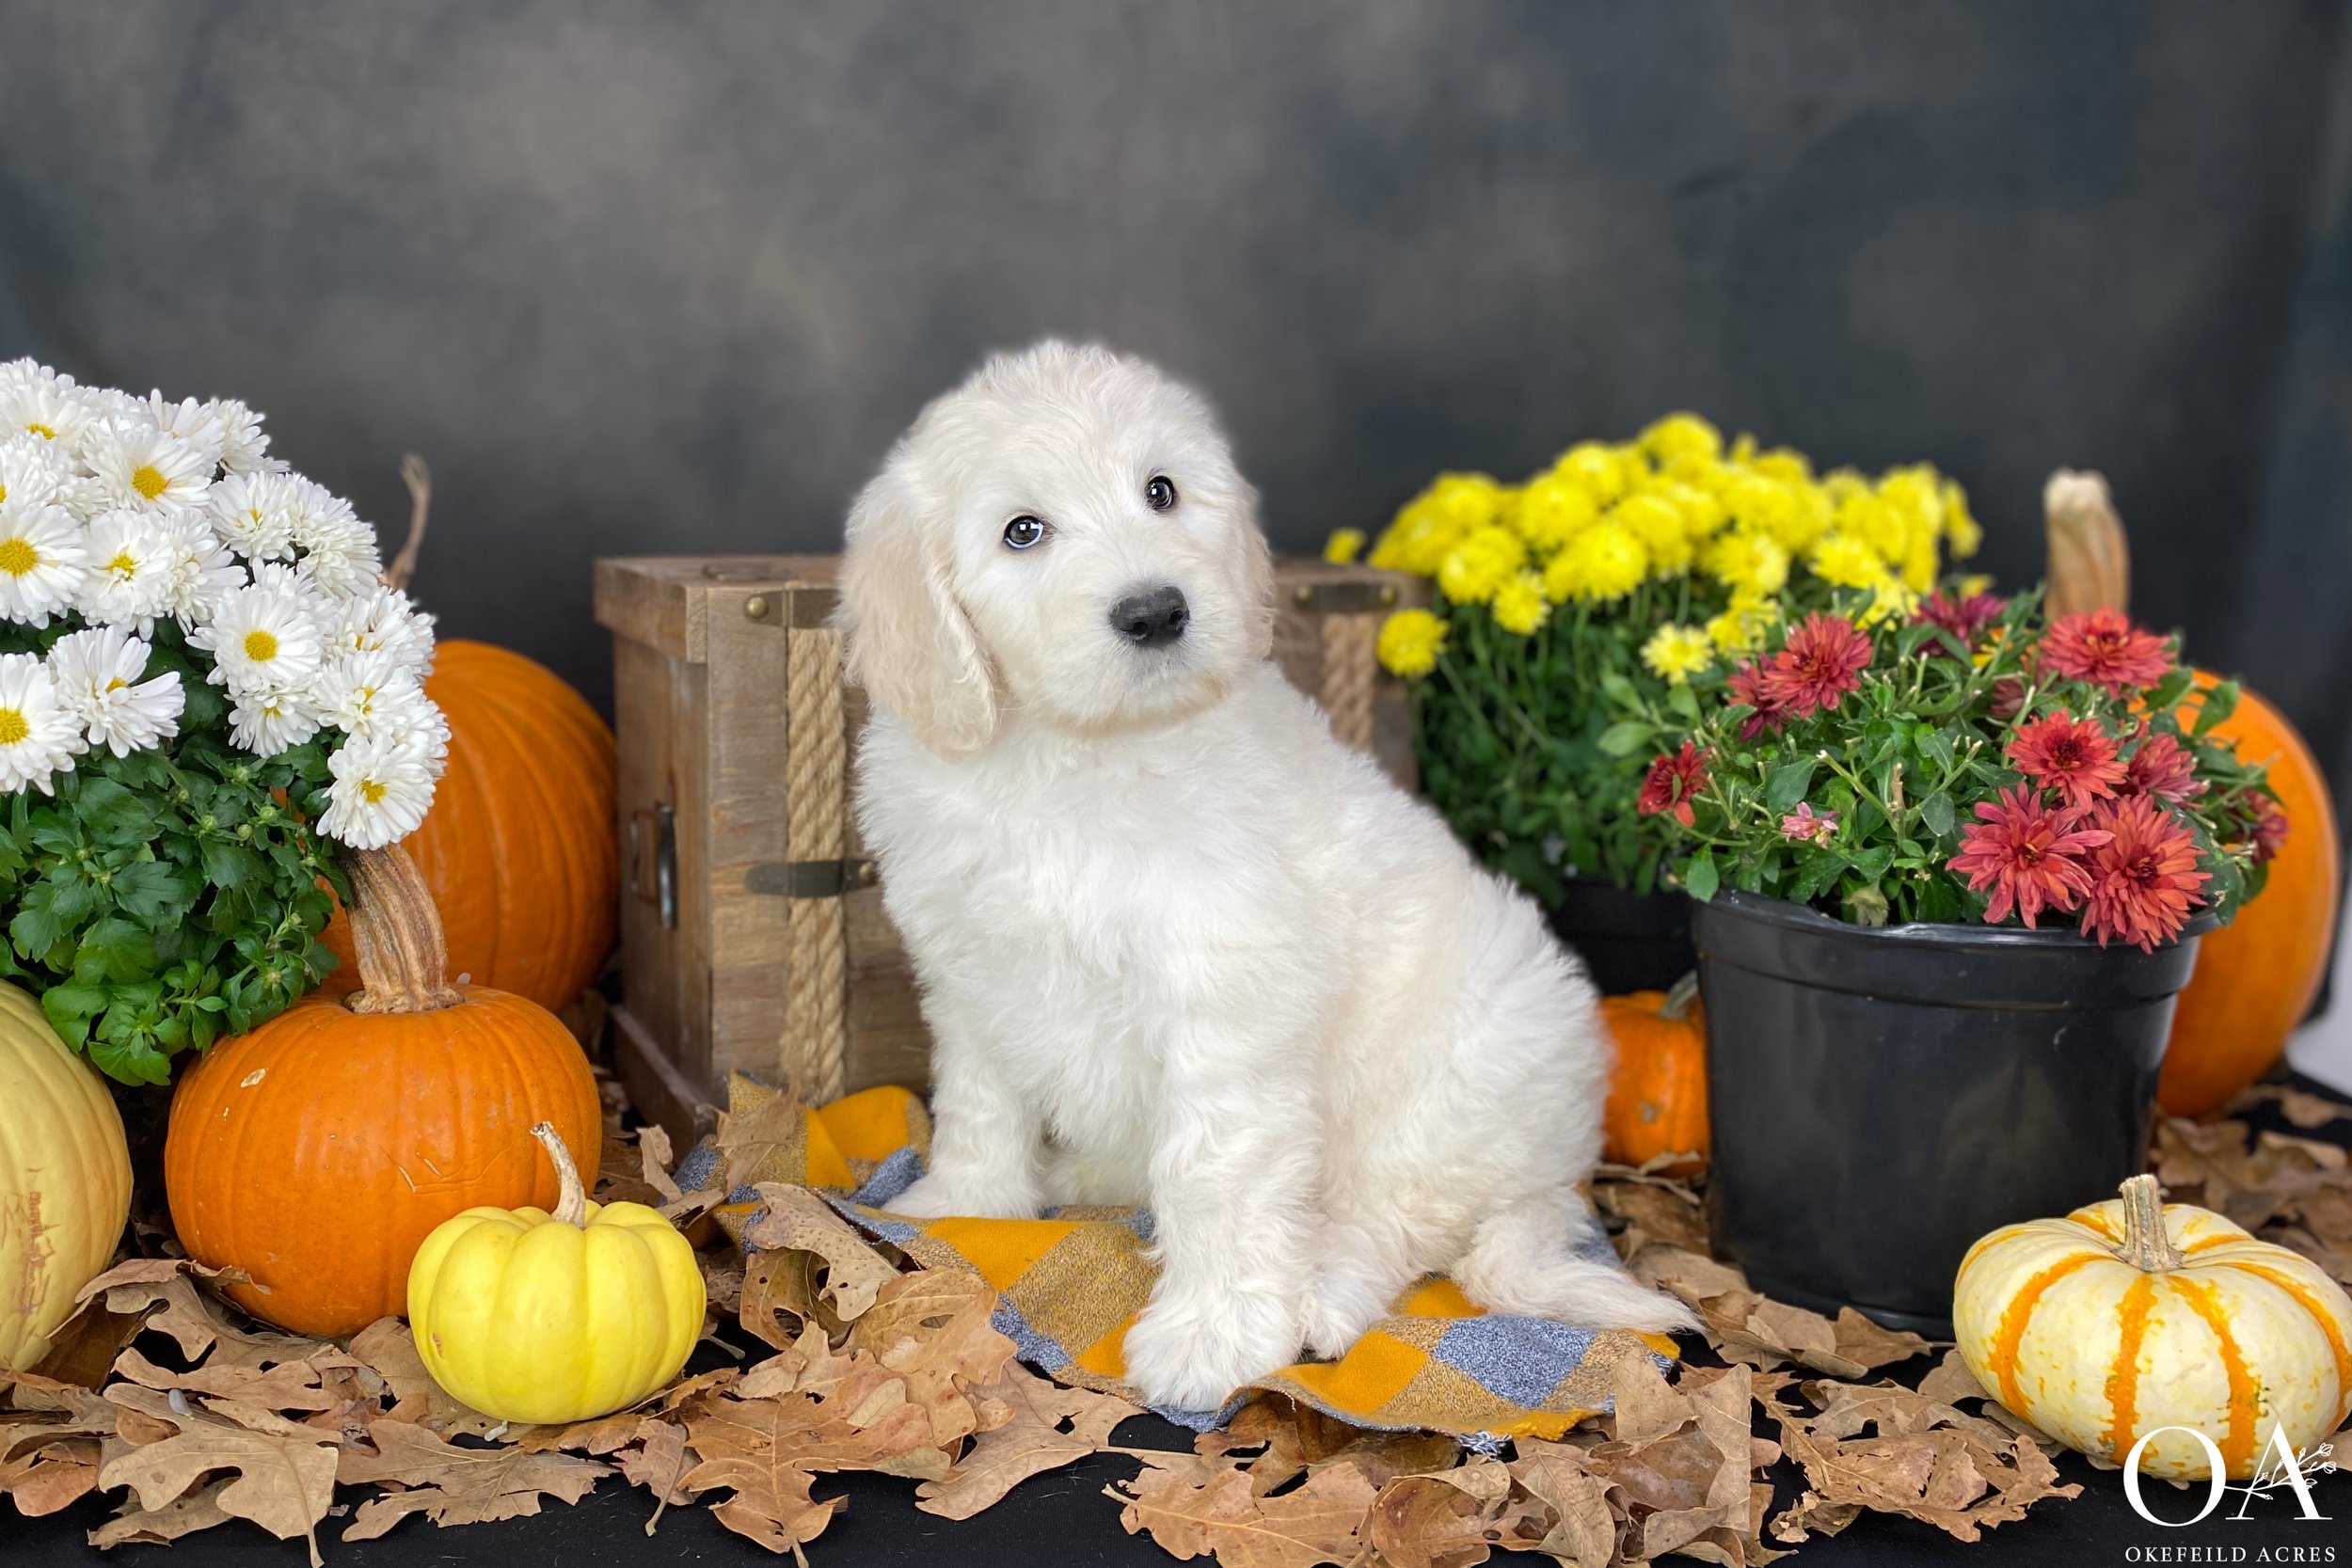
{"x": 317, "y": 1152}
{"x": 2256, "y": 977}
{"x": 520, "y": 849}
{"x": 1657, "y": 1094}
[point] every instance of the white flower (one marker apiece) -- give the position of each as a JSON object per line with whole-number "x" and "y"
{"x": 372, "y": 693}
{"x": 382, "y": 789}
{"x": 382, "y": 618}
{"x": 97, "y": 676}
{"x": 149, "y": 470}
{"x": 267, "y": 722}
{"x": 131, "y": 556}
{"x": 263, "y": 639}
{"x": 32, "y": 472}
{"x": 38, "y": 737}
{"x": 337, "y": 549}
{"x": 243, "y": 446}
{"x": 202, "y": 573}
{"x": 37, "y": 401}
{"x": 193, "y": 424}
{"x": 43, "y": 561}
{"x": 255, "y": 515}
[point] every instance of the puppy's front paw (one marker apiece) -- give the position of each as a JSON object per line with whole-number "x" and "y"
{"x": 933, "y": 1197}
{"x": 1190, "y": 1353}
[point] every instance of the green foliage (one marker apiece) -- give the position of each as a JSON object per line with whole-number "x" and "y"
{"x": 168, "y": 898}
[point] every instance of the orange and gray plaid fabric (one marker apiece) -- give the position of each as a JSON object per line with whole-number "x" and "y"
{"x": 1071, "y": 1283}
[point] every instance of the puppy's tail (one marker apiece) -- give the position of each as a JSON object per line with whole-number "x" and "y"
{"x": 1545, "y": 1258}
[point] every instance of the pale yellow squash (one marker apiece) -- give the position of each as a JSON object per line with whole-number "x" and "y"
{"x": 2133, "y": 1315}
{"x": 64, "y": 1178}
{"x": 537, "y": 1317}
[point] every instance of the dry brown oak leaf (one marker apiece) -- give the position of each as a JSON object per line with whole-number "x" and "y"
{"x": 1219, "y": 1513}
{"x": 451, "y": 1485}
{"x": 285, "y": 1471}
{"x": 1033, "y": 1426}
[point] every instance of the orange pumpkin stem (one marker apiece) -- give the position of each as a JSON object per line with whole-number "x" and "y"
{"x": 2146, "y": 1247}
{"x": 572, "y": 1207}
{"x": 396, "y": 933}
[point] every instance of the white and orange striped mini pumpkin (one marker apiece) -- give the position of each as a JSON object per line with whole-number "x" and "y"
{"x": 2133, "y": 1315}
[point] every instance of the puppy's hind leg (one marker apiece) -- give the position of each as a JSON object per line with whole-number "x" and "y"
{"x": 1356, "y": 1284}
{"x": 1535, "y": 1260}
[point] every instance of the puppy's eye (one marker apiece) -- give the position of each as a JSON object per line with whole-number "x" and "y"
{"x": 1160, "y": 494}
{"x": 1024, "y": 531}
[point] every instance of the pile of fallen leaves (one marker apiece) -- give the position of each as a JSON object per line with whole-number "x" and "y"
{"x": 1783, "y": 1427}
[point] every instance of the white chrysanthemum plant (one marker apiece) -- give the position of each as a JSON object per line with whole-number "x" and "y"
{"x": 206, "y": 687}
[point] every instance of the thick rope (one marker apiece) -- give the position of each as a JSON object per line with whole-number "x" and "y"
{"x": 816, "y": 795}
{"x": 1349, "y": 665}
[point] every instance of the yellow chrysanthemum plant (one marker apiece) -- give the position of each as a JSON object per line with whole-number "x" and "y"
{"x": 1580, "y": 617}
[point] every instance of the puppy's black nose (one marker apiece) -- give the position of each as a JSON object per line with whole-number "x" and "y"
{"x": 1151, "y": 619}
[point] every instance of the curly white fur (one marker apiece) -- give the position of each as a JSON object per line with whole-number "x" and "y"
{"x": 1177, "y": 945}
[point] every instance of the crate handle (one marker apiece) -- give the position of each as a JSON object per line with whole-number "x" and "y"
{"x": 653, "y": 861}
{"x": 811, "y": 878}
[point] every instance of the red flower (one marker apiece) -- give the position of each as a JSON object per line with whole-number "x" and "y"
{"x": 2144, "y": 880}
{"x": 2103, "y": 646}
{"x": 1962, "y": 618}
{"x": 2009, "y": 695}
{"x": 2160, "y": 768}
{"x": 1672, "y": 782}
{"x": 2074, "y": 756}
{"x": 1752, "y": 684}
{"x": 2270, "y": 827}
{"x": 2025, "y": 854}
{"x": 1821, "y": 661}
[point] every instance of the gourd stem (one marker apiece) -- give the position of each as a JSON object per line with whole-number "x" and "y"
{"x": 572, "y": 1207}
{"x": 2146, "y": 1244}
{"x": 1679, "y": 997}
{"x": 396, "y": 932}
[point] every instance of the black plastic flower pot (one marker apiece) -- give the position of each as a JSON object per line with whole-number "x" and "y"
{"x": 1629, "y": 941}
{"x": 1881, "y": 1099}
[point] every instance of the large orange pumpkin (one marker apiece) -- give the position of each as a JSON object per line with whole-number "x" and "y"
{"x": 1657, "y": 1094}
{"x": 317, "y": 1152}
{"x": 520, "y": 847}
{"x": 2256, "y": 977}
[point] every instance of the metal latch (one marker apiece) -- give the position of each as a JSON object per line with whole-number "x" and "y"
{"x": 653, "y": 861}
{"x": 1354, "y": 597}
{"x": 811, "y": 878}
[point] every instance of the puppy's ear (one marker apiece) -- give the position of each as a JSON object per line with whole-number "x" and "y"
{"x": 1257, "y": 576}
{"x": 906, "y": 638}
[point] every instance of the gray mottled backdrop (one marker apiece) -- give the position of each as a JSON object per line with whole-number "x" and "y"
{"x": 643, "y": 277}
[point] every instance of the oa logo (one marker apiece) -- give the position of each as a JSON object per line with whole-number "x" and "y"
{"x": 2281, "y": 1466}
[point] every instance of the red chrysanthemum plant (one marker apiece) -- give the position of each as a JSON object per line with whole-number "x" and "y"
{"x": 1969, "y": 760}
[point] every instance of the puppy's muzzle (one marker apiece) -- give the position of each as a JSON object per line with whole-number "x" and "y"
{"x": 1151, "y": 619}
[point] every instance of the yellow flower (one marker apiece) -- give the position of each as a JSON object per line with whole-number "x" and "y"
{"x": 1596, "y": 468}
{"x": 1961, "y": 528}
{"x": 1519, "y": 604}
{"x": 1755, "y": 501}
{"x": 1410, "y": 641}
{"x": 1742, "y": 626}
{"x": 1678, "y": 653}
{"x": 1430, "y": 526}
{"x": 1748, "y": 562}
{"x": 1890, "y": 599}
{"x": 1919, "y": 563}
{"x": 1678, "y": 434}
{"x": 1876, "y": 522}
{"x": 1474, "y": 568}
{"x": 1343, "y": 547}
{"x": 1785, "y": 464}
{"x": 1842, "y": 558}
{"x": 1840, "y": 483}
{"x": 1554, "y": 509}
{"x": 1974, "y": 583}
{"x": 1699, "y": 471}
{"x": 1702, "y": 514}
{"x": 1605, "y": 562}
{"x": 1657, "y": 522}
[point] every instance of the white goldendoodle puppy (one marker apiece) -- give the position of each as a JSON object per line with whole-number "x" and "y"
{"x": 1177, "y": 945}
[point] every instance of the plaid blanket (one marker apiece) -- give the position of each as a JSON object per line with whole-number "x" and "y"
{"x": 1070, "y": 1285}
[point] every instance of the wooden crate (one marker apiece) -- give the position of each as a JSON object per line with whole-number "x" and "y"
{"x": 751, "y": 927}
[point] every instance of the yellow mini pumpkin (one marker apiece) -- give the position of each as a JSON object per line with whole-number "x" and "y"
{"x": 65, "y": 1180}
{"x": 537, "y": 1317}
{"x": 2131, "y": 1315}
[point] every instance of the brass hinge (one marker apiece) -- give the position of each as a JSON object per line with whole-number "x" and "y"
{"x": 811, "y": 878}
